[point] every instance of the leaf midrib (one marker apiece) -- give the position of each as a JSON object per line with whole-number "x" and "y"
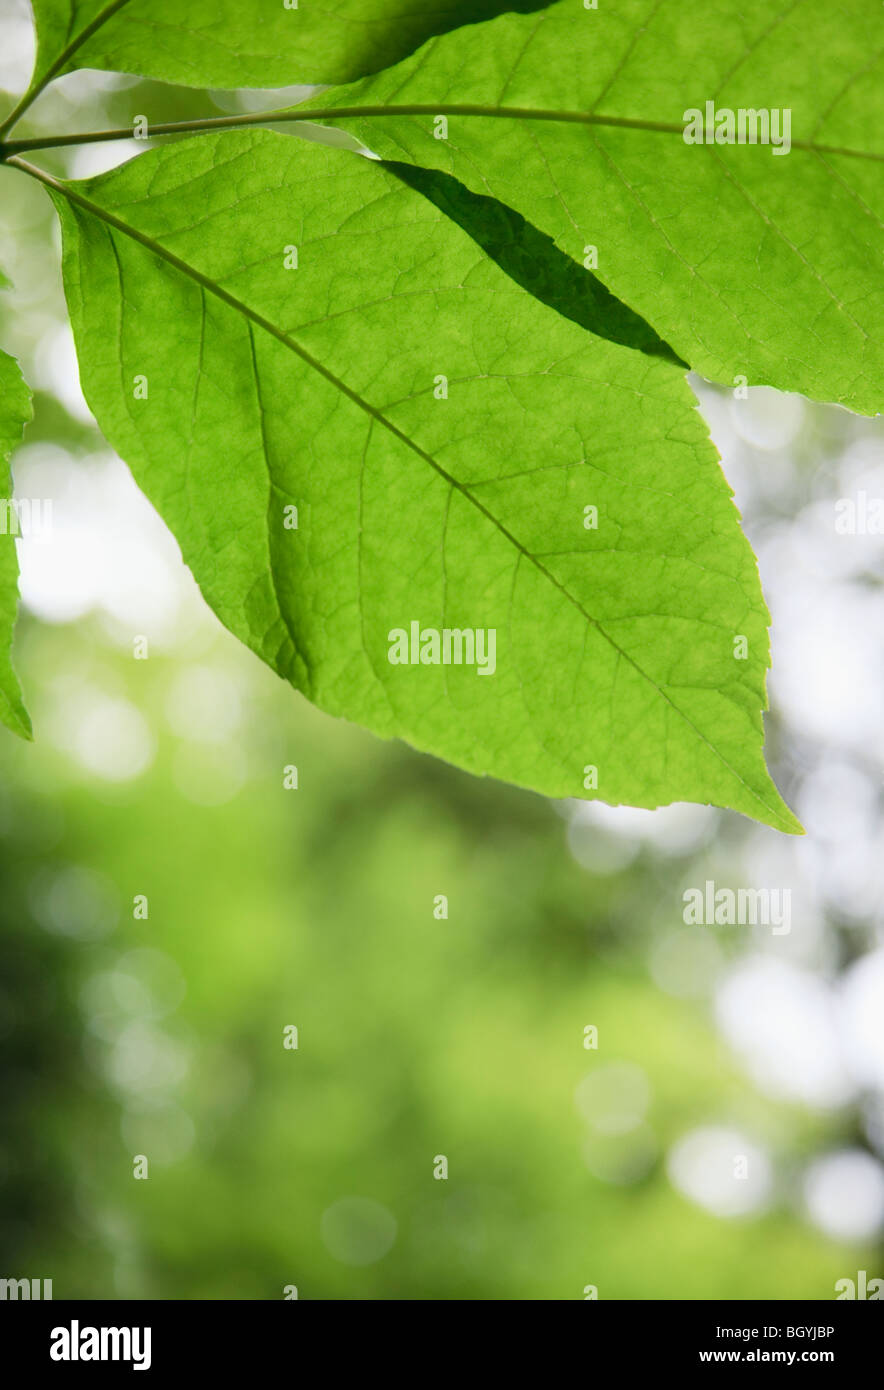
{"x": 110, "y": 9}
{"x": 238, "y": 305}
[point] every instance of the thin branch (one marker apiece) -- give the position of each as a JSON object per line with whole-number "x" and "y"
{"x": 317, "y": 114}
{"x": 251, "y": 118}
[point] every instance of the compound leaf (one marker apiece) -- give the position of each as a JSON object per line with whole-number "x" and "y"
{"x": 359, "y": 427}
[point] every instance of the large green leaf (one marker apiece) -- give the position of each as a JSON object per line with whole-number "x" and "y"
{"x": 15, "y": 411}
{"x": 244, "y": 43}
{"x": 237, "y": 388}
{"x": 747, "y": 262}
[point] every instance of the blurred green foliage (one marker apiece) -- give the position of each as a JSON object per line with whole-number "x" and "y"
{"x": 417, "y": 1036}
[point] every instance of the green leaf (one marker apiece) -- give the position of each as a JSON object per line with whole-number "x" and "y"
{"x": 748, "y": 262}
{"x": 534, "y": 262}
{"x": 15, "y": 411}
{"x": 244, "y": 43}
{"x": 236, "y": 388}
